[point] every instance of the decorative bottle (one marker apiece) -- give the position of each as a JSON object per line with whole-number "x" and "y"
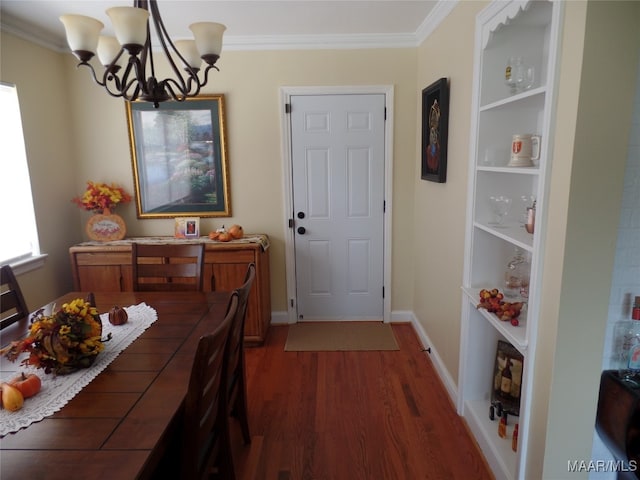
{"x": 631, "y": 342}
{"x": 516, "y": 276}
{"x": 505, "y": 380}
{"x": 502, "y": 425}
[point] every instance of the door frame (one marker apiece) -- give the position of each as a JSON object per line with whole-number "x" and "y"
{"x": 287, "y": 168}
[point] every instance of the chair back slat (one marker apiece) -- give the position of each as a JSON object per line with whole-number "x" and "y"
{"x": 167, "y": 267}
{"x": 13, "y": 307}
{"x": 205, "y": 442}
{"x": 237, "y": 388}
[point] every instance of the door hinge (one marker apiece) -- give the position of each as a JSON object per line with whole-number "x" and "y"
{"x": 287, "y": 108}
{"x": 291, "y": 223}
{"x": 292, "y": 303}
{"x": 383, "y": 291}
{"x": 385, "y": 114}
{"x": 384, "y": 206}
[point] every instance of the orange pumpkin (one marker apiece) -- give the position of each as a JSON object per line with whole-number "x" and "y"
{"x": 28, "y": 384}
{"x": 236, "y": 231}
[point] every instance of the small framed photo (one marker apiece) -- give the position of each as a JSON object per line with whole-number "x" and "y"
{"x": 187, "y": 227}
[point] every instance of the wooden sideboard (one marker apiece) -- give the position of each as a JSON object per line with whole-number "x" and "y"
{"x": 107, "y": 267}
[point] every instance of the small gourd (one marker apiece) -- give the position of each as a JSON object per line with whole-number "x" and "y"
{"x": 236, "y": 231}
{"x": 118, "y": 316}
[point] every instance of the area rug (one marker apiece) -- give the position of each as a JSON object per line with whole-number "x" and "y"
{"x": 340, "y": 336}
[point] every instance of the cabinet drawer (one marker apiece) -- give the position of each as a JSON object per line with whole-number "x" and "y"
{"x": 230, "y": 256}
{"x": 97, "y": 258}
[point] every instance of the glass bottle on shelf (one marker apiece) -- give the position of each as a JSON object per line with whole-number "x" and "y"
{"x": 512, "y": 73}
{"x": 631, "y": 347}
{"x": 505, "y": 380}
{"x": 516, "y": 276}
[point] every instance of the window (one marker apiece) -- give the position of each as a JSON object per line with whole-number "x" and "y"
{"x": 19, "y": 239}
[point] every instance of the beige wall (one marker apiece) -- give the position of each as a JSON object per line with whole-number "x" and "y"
{"x": 585, "y": 196}
{"x": 40, "y": 78}
{"x": 251, "y": 83}
{"x": 440, "y": 209}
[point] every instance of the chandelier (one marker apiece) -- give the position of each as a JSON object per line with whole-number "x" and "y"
{"x": 129, "y": 69}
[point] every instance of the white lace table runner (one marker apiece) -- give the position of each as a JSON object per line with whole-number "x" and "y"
{"x": 57, "y": 391}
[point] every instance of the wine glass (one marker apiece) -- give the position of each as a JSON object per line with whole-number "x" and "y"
{"x": 500, "y": 206}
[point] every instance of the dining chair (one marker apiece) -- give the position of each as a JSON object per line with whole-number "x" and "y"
{"x": 205, "y": 446}
{"x": 236, "y": 374}
{"x": 167, "y": 267}
{"x": 12, "y": 305}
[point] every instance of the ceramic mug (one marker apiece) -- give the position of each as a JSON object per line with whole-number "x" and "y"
{"x": 524, "y": 149}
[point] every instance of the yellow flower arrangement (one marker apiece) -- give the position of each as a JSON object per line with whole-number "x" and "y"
{"x": 100, "y": 196}
{"x": 66, "y": 341}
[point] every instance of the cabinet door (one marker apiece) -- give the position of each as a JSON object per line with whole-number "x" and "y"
{"x": 225, "y": 270}
{"x": 103, "y": 272}
{"x": 104, "y": 278}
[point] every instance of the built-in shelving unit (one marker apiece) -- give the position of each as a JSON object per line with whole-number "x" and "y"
{"x": 529, "y": 29}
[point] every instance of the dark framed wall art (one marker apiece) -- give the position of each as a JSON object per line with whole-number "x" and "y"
{"x": 179, "y": 158}
{"x": 435, "y": 130}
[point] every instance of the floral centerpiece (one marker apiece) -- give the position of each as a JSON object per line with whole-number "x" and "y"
{"x": 63, "y": 342}
{"x": 99, "y": 197}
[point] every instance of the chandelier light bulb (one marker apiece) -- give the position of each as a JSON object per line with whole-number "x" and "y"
{"x": 108, "y": 50}
{"x": 82, "y": 35}
{"x": 188, "y": 50}
{"x": 130, "y": 26}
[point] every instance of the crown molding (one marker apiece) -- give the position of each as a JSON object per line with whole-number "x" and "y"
{"x": 442, "y": 9}
{"x": 27, "y": 31}
{"x": 436, "y": 16}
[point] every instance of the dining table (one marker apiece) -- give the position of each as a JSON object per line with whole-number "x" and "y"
{"x": 121, "y": 424}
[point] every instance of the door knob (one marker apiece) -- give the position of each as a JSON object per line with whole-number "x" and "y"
{"x": 302, "y": 230}
{"x": 300, "y": 215}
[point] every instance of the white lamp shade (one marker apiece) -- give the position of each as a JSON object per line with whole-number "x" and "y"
{"x": 108, "y": 49}
{"x": 208, "y": 37}
{"x": 129, "y": 24}
{"x": 188, "y": 50}
{"x": 82, "y": 32}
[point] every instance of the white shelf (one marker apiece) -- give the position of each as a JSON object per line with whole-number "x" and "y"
{"x": 516, "y": 170}
{"x": 524, "y": 97}
{"x": 502, "y": 459}
{"x": 515, "y": 234}
{"x": 530, "y": 29}
{"x": 517, "y": 336}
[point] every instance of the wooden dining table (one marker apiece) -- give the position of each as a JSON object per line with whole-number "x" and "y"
{"x": 120, "y": 424}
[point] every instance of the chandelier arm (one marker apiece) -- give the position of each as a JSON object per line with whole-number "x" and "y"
{"x": 184, "y": 93}
{"x": 93, "y": 72}
{"x": 166, "y": 42}
{"x": 206, "y": 74}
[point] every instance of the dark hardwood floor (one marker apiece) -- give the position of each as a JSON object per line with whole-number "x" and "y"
{"x": 351, "y": 415}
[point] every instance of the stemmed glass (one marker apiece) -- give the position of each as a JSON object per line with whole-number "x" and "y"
{"x": 500, "y": 206}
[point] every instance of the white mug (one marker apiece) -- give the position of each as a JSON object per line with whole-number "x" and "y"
{"x": 524, "y": 149}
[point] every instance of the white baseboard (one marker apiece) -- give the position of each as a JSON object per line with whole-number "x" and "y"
{"x": 403, "y": 316}
{"x": 442, "y": 371}
{"x": 279, "y": 318}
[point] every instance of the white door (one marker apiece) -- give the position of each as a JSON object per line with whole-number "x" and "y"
{"x": 338, "y": 205}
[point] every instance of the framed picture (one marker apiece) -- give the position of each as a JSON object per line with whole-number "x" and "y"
{"x": 507, "y": 378}
{"x": 187, "y": 227}
{"x": 435, "y": 130}
{"x": 179, "y": 158}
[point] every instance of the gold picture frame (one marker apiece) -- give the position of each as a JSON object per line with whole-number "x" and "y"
{"x": 179, "y": 158}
